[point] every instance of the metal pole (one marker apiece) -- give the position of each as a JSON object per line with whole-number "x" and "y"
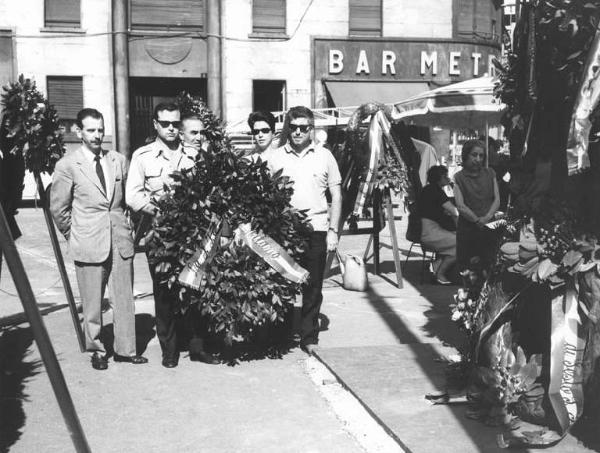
{"x": 61, "y": 263}
{"x": 121, "y": 76}
{"x": 42, "y": 339}
{"x": 214, "y": 57}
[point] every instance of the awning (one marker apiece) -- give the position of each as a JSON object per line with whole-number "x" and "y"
{"x": 350, "y": 94}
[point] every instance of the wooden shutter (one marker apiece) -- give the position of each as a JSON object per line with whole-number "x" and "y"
{"x": 66, "y": 95}
{"x": 164, "y": 14}
{"x": 365, "y": 17}
{"x": 62, "y": 13}
{"x": 268, "y": 16}
{"x": 465, "y": 21}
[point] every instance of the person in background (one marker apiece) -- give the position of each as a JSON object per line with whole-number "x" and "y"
{"x": 313, "y": 170}
{"x": 438, "y": 221}
{"x": 262, "y": 128}
{"x": 477, "y": 200}
{"x": 88, "y": 206}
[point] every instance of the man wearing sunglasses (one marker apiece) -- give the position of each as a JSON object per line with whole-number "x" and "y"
{"x": 262, "y": 128}
{"x": 149, "y": 173}
{"x": 314, "y": 171}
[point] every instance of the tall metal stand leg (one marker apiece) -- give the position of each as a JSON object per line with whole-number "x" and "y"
{"x": 63, "y": 397}
{"x": 60, "y": 262}
{"x": 376, "y": 227}
{"x": 392, "y": 226}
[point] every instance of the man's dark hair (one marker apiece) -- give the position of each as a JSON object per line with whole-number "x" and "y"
{"x": 468, "y": 147}
{"x": 168, "y": 106}
{"x": 436, "y": 173}
{"x": 261, "y": 115}
{"x": 85, "y": 113}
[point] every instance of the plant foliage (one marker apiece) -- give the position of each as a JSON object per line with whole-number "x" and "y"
{"x": 240, "y": 291}
{"x": 32, "y": 125}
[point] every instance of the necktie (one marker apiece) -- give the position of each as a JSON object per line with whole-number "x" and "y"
{"x": 100, "y": 172}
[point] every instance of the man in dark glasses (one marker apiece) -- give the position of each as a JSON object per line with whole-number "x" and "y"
{"x": 149, "y": 173}
{"x": 262, "y": 128}
{"x": 314, "y": 171}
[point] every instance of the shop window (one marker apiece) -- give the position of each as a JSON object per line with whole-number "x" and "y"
{"x": 66, "y": 95}
{"x": 365, "y": 18}
{"x": 268, "y": 16}
{"x": 269, "y": 95}
{"x": 62, "y": 13}
{"x": 166, "y": 15}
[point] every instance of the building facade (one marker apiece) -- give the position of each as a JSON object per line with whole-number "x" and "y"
{"x": 124, "y": 56}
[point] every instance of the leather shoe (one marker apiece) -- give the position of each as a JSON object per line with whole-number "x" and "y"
{"x": 170, "y": 362}
{"x": 99, "y": 361}
{"x": 135, "y": 359}
{"x": 201, "y": 356}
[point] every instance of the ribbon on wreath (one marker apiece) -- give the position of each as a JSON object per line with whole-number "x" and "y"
{"x": 194, "y": 270}
{"x": 567, "y": 346}
{"x": 272, "y": 253}
{"x": 376, "y": 146}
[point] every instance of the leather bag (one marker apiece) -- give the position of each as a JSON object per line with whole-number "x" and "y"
{"x": 354, "y": 272}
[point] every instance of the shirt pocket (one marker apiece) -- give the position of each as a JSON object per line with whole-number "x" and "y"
{"x": 153, "y": 178}
{"x": 320, "y": 176}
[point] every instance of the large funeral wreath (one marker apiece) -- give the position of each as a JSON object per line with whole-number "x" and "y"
{"x": 240, "y": 290}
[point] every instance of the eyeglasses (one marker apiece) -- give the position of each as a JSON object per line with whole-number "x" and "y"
{"x": 264, "y": 130}
{"x": 165, "y": 124}
{"x": 304, "y": 128}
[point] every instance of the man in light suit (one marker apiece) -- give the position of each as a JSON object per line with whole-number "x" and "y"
{"x": 87, "y": 203}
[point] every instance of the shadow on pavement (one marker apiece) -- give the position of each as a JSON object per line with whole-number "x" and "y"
{"x": 144, "y": 332}
{"x": 14, "y": 373}
{"x": 437, "y": 326}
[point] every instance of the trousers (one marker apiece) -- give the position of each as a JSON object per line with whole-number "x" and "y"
{"x": 92, "y": 279}
{"x": 313, "y": 261}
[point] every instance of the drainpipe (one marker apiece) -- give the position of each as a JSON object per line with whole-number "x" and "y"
{"x": 121, "y": 76}
{"x": 214, "y": 56}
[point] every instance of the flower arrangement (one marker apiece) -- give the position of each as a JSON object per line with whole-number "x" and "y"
{"x": 240, "y": 291}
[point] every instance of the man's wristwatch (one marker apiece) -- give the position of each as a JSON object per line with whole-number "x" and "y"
{"x": 333, "y": 229}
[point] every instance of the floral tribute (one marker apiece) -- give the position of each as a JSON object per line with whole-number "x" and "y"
{"x": 32, "y": 126}
{"x": 240, "y": 291}
{"x": 532, "y": 320}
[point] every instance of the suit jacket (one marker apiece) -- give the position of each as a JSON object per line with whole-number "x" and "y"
{"x": 82, "y": 211}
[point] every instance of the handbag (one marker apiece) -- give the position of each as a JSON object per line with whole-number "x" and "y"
{"x": 354, "y": 272}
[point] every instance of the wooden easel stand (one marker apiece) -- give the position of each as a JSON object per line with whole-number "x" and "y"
{"x": 41, "y": 337}
{"x": 61, "y": 262}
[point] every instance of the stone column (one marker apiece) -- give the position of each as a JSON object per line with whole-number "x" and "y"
{"x": 121, "y": 76}
{"x": 214, "y": 56}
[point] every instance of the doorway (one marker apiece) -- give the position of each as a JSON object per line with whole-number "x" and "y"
{"x": 269, "y": 95}
{"x": 147, "y": 92}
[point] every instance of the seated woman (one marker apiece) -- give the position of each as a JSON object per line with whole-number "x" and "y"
{"x": 438, "y": 221}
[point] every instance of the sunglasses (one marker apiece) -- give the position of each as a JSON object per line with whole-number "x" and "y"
{"x": 264, "y": 130}
{"x": 165, "y": 124}
{"x": 304, "y": 128}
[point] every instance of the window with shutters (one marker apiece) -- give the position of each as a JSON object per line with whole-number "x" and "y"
{"x": 62, "y": 13}
{"x": 66, "y": 95}
{"x": 268, "y": 16}
{"x": 476, "y": 19}
{"x": 167, "y": 14}
{"x": 365, "y": 18}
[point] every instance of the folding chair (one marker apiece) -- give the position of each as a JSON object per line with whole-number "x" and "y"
{"x": 426, "y": 259}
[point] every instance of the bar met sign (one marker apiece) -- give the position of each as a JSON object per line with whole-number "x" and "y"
{"x": 401, "y": 59}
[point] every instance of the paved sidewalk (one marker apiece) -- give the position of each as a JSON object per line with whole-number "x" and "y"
{"x": 382, "y": 345}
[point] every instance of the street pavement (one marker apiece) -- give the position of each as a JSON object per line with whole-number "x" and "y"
{"x": 385, "y": 347}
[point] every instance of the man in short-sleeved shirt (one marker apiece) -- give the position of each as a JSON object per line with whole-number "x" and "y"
{"x": 313, "y": 170}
